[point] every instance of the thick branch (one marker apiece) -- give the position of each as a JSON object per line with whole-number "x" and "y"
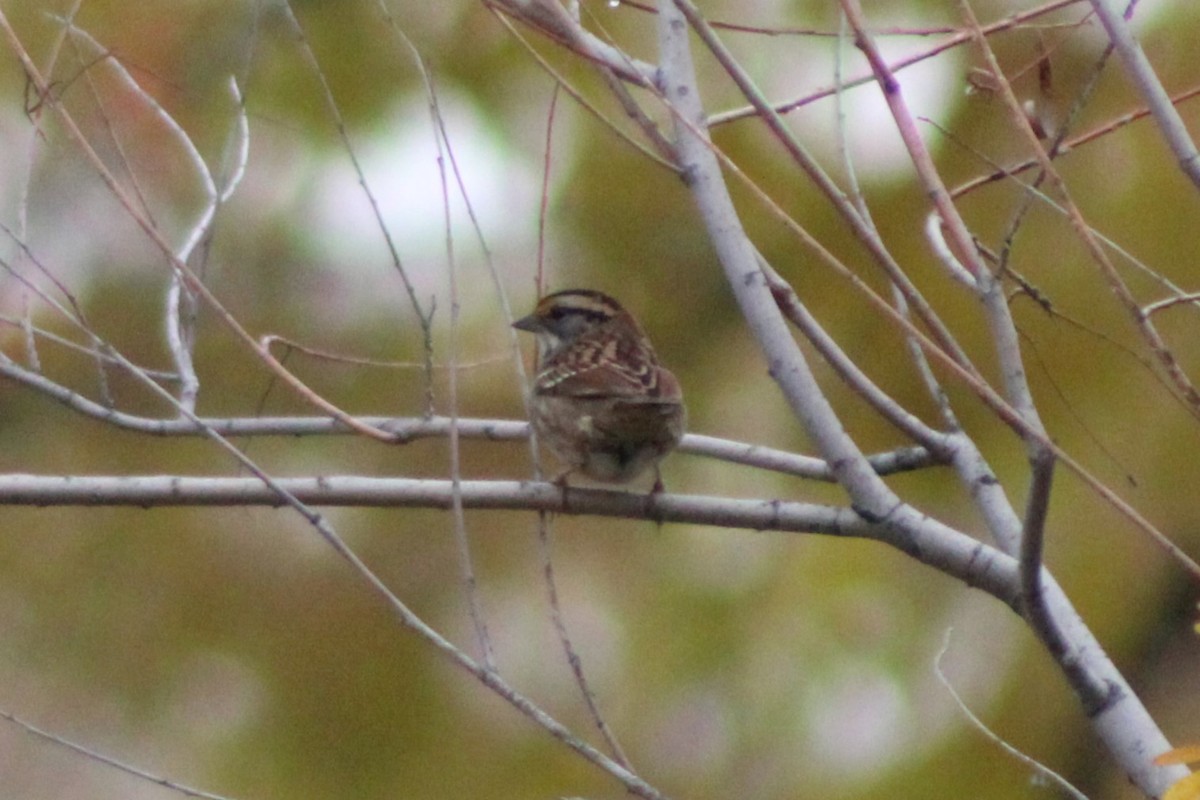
{"x": 1121, "y": 720}
{"x": 944, "y": 548}
{"x": 1118, "y": 716}
{"x": 739, "y": 259}
{"x": 1169, "y": 122}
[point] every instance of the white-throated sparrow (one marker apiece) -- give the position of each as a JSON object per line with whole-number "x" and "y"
{"x": 601, "y": 401}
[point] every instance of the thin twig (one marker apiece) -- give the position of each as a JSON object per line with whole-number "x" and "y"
{"x": 631, "y": 107}
{"x": 461, "y": 538}
{"x": 545, "y": 538}
{"x": 33, "y": 332}
{"x": 106, "y": 760}
{"x": 1000, "y": 173}
{"x": 850, "y": 373}
{"x": 328, "y": 355}
{"x": 1095, "y": 134}
{"x": 424, "y": 319}
{"x": 545, "y": 535}
{"x": 979, "y": 725}
{"x": 1025, "y": 203}
{"x": 824, "y": 33}
{"x": 26, "y": 184}
{"x": 458, "y": 520}
{"x": 402, "y": 430}
{"x": 179, "y": 335}
{"x": 27, "y": 327}
{"x": 560, "y": 80}
{"x": 314, "y": 398}
{"x": 1158, "y": 305}
{"x": 935, "y": 237}
{"x": 1116, "y": 284}
{"x": 1008, "y": 23}
{"x": 549, "y": 17}
{"x": 72, "y": 311}
{"x": 800, "y": 155}
{"x": 539, "y": 275}
{"x": 916, "y": 354}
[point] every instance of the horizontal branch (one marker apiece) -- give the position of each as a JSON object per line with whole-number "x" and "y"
{"x": 407, "y": 429}
{"x": 942, "y": 547}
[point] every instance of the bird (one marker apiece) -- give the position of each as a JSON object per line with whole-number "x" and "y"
{"x": 601, "y": 401}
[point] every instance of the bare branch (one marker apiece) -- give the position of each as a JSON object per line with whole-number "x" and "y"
{"x": 948, "y": 550}
{"x": 424, "y": 318}
{"x": 845, "y": 367}
{"x": 1116, "y": 284}
{"x": 1170, "y": 123}
{"x": 654, "y": 155}
{"x": 402, "y": 430}
{"x": 178, "y": 324}
{"x": 109, "y": 761}
{"x": 552, "y": 19}
{"x": 1158, "y": 305}
{"x": 786, "y": 363}
{"x": 980, "y": 726}
{"x": 1095, "y": 134}
{"x": 1016, "y": 20}
{"x": 558, "y": 619}
{"x": 865, "y": 232}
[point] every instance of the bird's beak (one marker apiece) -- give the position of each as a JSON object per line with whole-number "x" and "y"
{"x": 530, "y": 323}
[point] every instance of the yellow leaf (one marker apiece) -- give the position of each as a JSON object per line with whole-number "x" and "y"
{"x": 1180, "y": 755}
{"x": 1186, "y": 789}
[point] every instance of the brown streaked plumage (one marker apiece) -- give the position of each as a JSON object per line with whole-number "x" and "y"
{"x": 601, "y": 401}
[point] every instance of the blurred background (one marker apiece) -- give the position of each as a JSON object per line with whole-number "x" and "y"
{"x": 231, "y": 650}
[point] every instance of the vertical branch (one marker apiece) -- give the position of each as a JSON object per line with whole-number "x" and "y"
{"x": 547, "y": 160}
{"x": 545, "y": 533}
{"x": 425, "y": 320}
{"x": 1146, "y": 327}
{"x": 1007, "y": 344}
{"x": 786, "y": 363}
{"x": 460, "y": 526}
{"x": 32, "y": 358}
{"x": 916, "y": 354}
{"x": 861, "y": 227}
{"x": 559, "y": 620}
{"x": 1141, "y": 71}
{"x": 1000, "y": 322}
{"x": 1033, "y": 601}
{"x": 461, "y": 539}
{"x": 179, "y": 322}
{"x": 1116, "y": 714}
